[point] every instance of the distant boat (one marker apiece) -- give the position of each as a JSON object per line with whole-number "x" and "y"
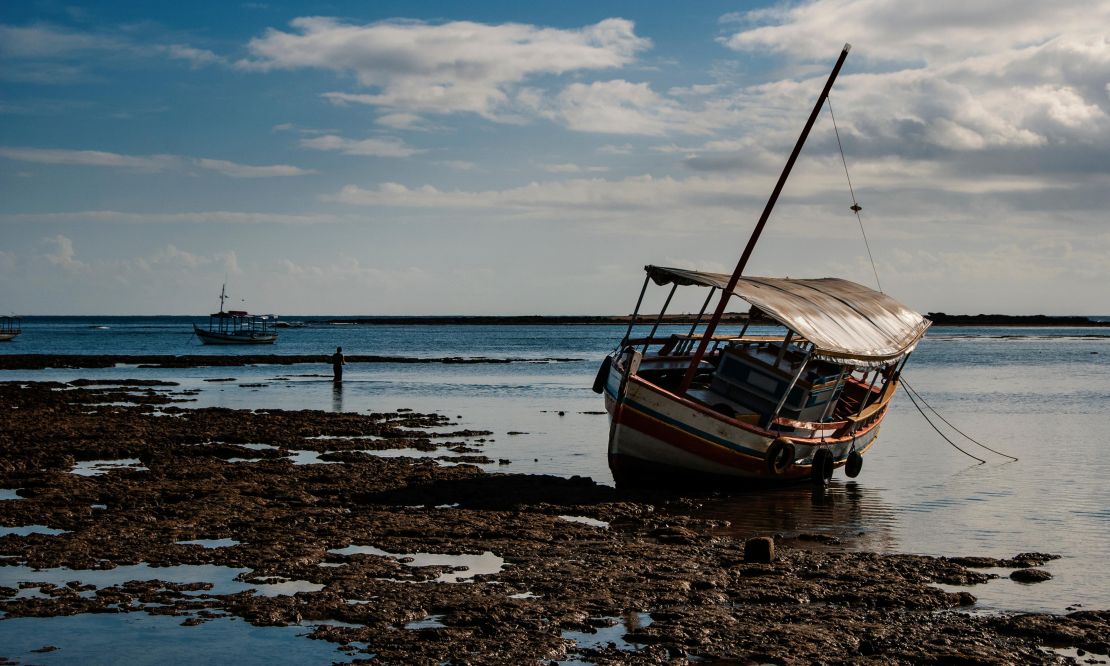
{"x": 9, "y": 328}
{"x": 743, "y": 408}
{"x": 236, "y": 327}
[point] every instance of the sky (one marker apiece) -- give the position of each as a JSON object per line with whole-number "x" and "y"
{"x": 494, "y": 157}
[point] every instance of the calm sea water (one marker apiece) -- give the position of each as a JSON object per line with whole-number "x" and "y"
{"x": 1039, "y": 394}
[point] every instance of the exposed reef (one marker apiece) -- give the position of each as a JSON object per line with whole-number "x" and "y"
{"x": 418, "y": 560}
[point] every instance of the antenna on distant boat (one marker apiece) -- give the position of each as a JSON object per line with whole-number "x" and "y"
{"x": 743, "y": 263}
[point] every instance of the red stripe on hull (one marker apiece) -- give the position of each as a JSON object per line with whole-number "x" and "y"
{"x": 746, "y": 465}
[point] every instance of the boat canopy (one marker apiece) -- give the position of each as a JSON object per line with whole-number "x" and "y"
{"x": 845, "y": 321}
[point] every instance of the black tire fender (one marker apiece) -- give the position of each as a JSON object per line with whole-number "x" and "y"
{"x": 780, "y": 456}
{"x": 854, "y": 465}
{"x": 821, "y": 468}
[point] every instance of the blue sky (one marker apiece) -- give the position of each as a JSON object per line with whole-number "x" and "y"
{"x": 516, "y": 158}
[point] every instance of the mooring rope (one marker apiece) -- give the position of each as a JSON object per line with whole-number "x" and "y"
{"x": 942, "y": 435}
{"x": 910, "y": 389}
{"x": 856, "y": 208}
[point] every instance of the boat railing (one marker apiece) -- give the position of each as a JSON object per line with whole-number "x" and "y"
{"x": 678, "y": 344}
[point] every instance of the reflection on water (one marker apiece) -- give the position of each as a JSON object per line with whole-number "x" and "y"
{"x": 614, "y": 634}
{"x": 849, "y": 513}
{"x": 337, "y": 396}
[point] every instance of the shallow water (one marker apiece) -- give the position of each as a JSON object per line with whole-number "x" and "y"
{"x": 138, "y": 638}
{"x": 470, "y": 565}
{"x": 1039, "y": 394}
{"x": 223, "y": 579}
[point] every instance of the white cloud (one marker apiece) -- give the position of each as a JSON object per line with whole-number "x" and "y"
{"x": 554, "y": 198}
{"x": 458, "y": 165}
{"x": 936, "y": 32}
{"x": 43, "y": 41}
{"x": 89, "y": 158}
{"x": 48, "y": 53}
{"x": 202, "y": 217}
{"x": 403, "y": 121}
{"x": 947, "y": 75}
{"x": 249, "y": 171}
{"x": 98, "y": 158}
{"x": 624, "y": 107}
{"x": 567, "y": 167}
{"x": 459, "y": 66}
{"x": 611, "y": 149}
{"x": 63, "y": 256}
{"x": 373, "y": 147}
{"x": 196, "y": 57}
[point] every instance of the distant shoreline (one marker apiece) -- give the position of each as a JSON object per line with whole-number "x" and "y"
{"x": 943, "y": 319}
{"x": 524, "y": 320}
{"x": 938, "y": 319}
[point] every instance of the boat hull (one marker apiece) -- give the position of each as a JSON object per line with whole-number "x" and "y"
{"x": 210, "y": 338}
{"x": 7, "y": 337}
{"x": 654, "y": 433}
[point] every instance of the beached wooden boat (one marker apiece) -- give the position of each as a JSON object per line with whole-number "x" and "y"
{"x": 9, "y": 328}
{"x": 236, "y": 327}
{"x": 742, "y": 408}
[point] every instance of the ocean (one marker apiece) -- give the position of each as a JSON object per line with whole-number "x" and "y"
{"x": 1040, "y": 394}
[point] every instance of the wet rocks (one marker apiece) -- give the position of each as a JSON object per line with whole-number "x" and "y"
{"x": 707, "y": 595}
{"x": 1030, "y": 575}
{"x": 759, "y": 550}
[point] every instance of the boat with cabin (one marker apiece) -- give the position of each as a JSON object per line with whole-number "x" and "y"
{"x": 9, "y": 328}
{"x": 803, "y": 398}
{"x": 236, "y": 327}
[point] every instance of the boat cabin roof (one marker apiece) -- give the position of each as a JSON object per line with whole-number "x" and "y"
{"x": 846, "y": 322}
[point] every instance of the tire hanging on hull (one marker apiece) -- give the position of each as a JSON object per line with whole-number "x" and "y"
{"x": 780, "y": 456}
{"x": 821, "y": 469}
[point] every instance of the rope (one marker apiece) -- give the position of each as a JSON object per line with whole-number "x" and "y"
{"x": 926, "y": 417}
{"x": 856, "y": 208}
{"x": 910, "y": 389}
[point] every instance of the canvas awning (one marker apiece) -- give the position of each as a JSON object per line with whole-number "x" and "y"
{"x": 847, "y": 322}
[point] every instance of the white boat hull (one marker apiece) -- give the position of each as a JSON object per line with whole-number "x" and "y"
{"x": 656, "y": 433}
{"x": 210, "y": 338}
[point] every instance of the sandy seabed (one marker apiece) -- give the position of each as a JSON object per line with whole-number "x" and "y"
{"x": 376, "y": 530}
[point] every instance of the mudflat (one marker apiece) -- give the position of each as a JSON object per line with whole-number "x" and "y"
{"x": 396, "y": 548}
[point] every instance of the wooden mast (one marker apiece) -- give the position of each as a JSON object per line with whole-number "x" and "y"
{"x": 742, "y": 264}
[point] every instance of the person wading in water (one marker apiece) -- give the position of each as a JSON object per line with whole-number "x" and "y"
{"x": 337, "y": 363}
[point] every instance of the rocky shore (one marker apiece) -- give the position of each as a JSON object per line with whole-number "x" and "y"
{"x": 360, "y": 545}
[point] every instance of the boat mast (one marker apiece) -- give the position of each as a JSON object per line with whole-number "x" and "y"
{"x": 742, "y": 264}
{"x": 223, "y": 295}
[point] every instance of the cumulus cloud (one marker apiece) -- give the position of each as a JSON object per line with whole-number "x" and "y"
{"x": 372, "y": 147}
{"x": 459, "y": 66}
{"x": 63, "y": 256}
{"x": 946, "y": 76}
{"x": 934, "y": 32}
